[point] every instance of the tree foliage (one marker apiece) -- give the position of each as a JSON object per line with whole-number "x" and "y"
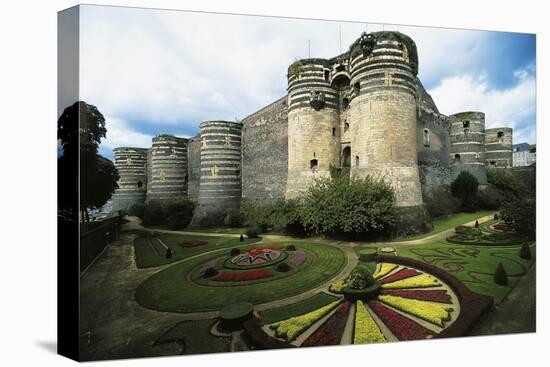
{"x": 465, "y": 188}
{"x": 343, "y": 205}
{"x": 520, "y": 215}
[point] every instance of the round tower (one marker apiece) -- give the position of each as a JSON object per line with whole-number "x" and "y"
{"x": 220, "y": 166}
{"x": 313, "y": 124}
{"x": 131, "y": 164}
{"x": 168, "y": 168}
{"x": 498, "y": 147}
{"x": 383, "y": 66}
{"x": 467, "y": 150}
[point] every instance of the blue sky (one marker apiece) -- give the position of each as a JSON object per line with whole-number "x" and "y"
{"x": 152, "y": 71}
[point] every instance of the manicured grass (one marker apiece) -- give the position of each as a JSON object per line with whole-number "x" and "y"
{"x": 171, "y": 290}
{"x": 285, "y": 312}
{"x": 150, "y": 252}
{"x": 474, "y": 265}
{"x": 196, "y": 337}
{"x": 444, "y": 223}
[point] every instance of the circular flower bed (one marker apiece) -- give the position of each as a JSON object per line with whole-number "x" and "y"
{"x": 416, "y": 301}
{"x": 257, "y": 257}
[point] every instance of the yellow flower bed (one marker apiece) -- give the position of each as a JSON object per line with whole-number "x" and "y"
{"x": 290, "y": 328}
{"x": 385, "y": 268}
{"x": 428, "y": 311}
{"x": 419, "y": 281}
{"x": 338, "y": 286}
{"x": 366, "y": 330}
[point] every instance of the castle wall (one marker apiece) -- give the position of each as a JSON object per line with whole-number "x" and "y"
{"x": 220, "y": 180}
{"x": 131, "y": 164}
{"x": 313, "y": 124}
{"x": 194, "y": 170}
{"x": 467, "y": 137}
{"x": 383, "y": 117}
{"x": 265, "y": 153}
{"x": 168, "y": 168}
{"x": 498, "y": 147}
{"x": 432, "y": 142}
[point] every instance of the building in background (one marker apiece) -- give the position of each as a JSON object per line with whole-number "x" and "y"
{"x": 524, "y": 154}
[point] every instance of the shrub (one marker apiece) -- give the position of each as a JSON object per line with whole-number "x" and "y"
{"x": 440, "y": 201}
{"x": 496, "y": 216}
{"x": 210, "y": 272}
{"x": 234, "y": 251}
{"x": 491, "y": 198}
{"x": 253, "y": 233}
{"x": 501, "y": 277}
{"x": 153, "y": 214}
{"x": 520, "y": 215}
{"x": 168, "y": 253}
{"x": 291, "y": 248}
{"x": 178, "y": 214}
{"x": 137, "y": 210}
{"x": 283, "y": 267}
{"x": 241, "y": 238}
{"x": 349, "y": 206}
{"x": 525, "y": 252}
{"x": 464, "y": 188}
{"x": 477, "y": 224}
{"x": 360, "y": 278}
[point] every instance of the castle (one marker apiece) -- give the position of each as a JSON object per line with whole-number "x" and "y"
{"x": 364, "y": 109}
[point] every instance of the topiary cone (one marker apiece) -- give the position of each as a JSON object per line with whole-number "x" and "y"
{"x": 477, "y": 224}
{"x": 525, "y": 252}
{"x": 241, "y": 238}
{"x": 501, "y": 277}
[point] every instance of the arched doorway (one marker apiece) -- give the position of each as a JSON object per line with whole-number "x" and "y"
{"x": 346, "y": 157}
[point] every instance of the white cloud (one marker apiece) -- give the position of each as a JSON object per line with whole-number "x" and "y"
{"x": 511, "y": 107}
{"x": 119, "y": 134}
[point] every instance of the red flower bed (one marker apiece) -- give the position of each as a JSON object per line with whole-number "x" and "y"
{"x": 425, "y": 295}
{"x": 502, "y": 227}
{"x": 402, "y": 327}
{"x": 193, "y": 243}
{"x": 401, "y": 274}
{"x": 243, "y": 276}
{"x": 331, "y": 331}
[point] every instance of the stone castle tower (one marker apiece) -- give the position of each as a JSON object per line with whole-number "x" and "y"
{"x": 364, "y": 110}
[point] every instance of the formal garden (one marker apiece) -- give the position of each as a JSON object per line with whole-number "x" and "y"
{"x": 278, "y": 278}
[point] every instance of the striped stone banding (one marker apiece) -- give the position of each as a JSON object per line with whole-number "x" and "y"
{"x": 168, "y": 168}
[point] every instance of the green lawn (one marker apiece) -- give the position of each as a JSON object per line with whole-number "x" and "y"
{"x": 474, "y": 265}
{"x": 171, "y": 290}
{"x": 444, "y": 223}
{"x": 309, "y": 304}
{"x": 150, "y": 252}
{"x": 196, "y": 337}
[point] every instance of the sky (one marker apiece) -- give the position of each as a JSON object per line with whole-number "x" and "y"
{"x": 156, "y": 71}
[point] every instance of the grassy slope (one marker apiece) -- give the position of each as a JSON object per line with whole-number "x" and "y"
{"x": 146, "y": 256}
{"x": 197, "y": 337}
{"x": 170, "y": 290}
{"x": 474, "y": 265}
{"x": 444, "y": 223}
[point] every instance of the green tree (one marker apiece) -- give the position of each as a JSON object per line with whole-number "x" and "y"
{"x": 465, "y": 187}
{"x": 521, "y": 216}
{"x": 349, "y": 206}
{"x": 79, "y": 130}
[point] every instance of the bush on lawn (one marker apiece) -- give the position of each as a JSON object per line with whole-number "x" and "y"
{"x": 283, "y": 267}
{"x": 291, "y": 248}
{"x": 520, "y": 215}
{"x": 137, "y": 210}
{"x": 253, "y": 233}
{"x": 525, "y": 252}
{"x": 360, "y": 278}
{"x": 464, "y": 188}
{"x": 241, "y": 238}
{"x": 501, "y": 277}
{"x": 210, "y": 272}
{"x": 168, "y": 253}
{"x": 234, "y": 251}
{"x": 440, "y": 202}
{"x": 349, "y": 206}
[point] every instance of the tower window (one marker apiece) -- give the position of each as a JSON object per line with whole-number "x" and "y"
{"x": 314, "y": 165}
{"x": 457, "y": 157}
{"x": 356, "y": 160}
{"x": 426, "y": 137}
{"x": 327, "y": 75}
{"x": 345, "y": 103}
{"x": 357, "y": 87}
{"x": 493, "y": 163}
{"x": 346, "y": 126}
{"x": 500, "y": 135}
{"x": 238, "y": 173}
{"x": 333, "y": 131}
{"x": 465, "y": 124}
{"x": 140, "y": 184}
